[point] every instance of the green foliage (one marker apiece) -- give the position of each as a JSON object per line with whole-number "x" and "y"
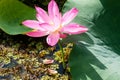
{"x": 95, "y": 55}
{"x": 12, "y": 13}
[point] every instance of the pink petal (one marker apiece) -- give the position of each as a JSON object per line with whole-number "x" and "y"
{"x": 74, "y": 28}
{"x": 53, "y": 38}
{"x": 31, "y": 24}
{"x": 69, "y": 16}
{"x": 53, "y": 9}
{"x": 51, "y": 71}
{"x": 48, "y": 61}
{"x": 37, "y": 33}
{"x": 62, "y": 35}
{"x": 47, "y": 27}
{"x": 41, "y": 15}
{"x": 57, "y": 21}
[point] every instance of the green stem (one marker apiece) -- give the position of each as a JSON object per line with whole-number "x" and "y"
{"x": 61, "y": 48}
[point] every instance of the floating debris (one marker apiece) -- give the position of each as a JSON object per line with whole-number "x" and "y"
{"x": 31, "y": 61}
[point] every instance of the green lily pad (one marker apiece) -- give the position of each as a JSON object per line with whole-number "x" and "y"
{"x": 12, "y": 13}
{"x": 96, "y": 54}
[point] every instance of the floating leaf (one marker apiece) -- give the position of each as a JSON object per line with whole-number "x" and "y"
{"x": 12, "y": 13}
{"x": 95, "y": 56}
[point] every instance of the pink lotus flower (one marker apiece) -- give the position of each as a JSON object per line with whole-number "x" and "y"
{"x": 53, "y": 24}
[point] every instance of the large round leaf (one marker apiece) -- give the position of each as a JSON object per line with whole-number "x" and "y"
{"x": 96, "y": 55}
{"x": 12, "y": 13}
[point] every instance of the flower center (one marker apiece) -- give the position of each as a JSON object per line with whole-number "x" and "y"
{"x": 58, "y": 29}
